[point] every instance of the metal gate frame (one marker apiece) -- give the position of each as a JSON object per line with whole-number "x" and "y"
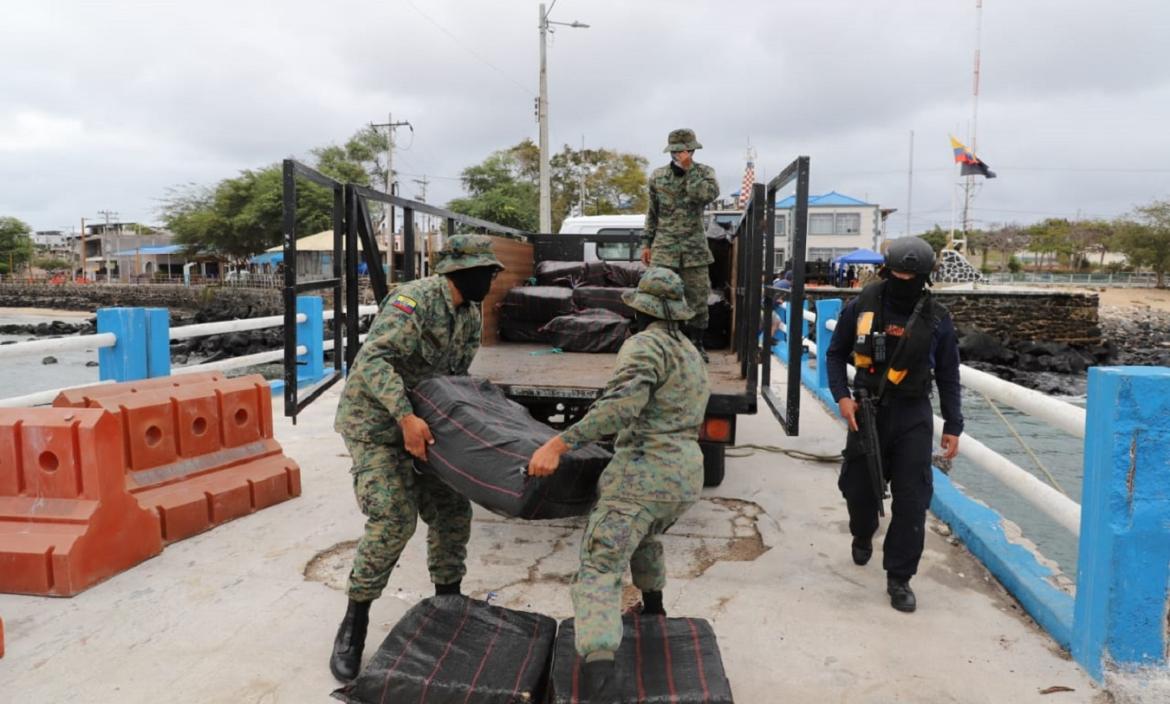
{"x": 351, "y": 225}
{"x": 787, "y": 411}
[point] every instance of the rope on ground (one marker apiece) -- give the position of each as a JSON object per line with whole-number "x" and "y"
{"x": 1023, "y": 444}
{"x": 749, "y": 449}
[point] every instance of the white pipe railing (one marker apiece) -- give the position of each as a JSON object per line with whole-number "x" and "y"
{"x": 59, "y": 344}
{"x": 227, "y": 326}
{"x": 328, "y": 313}
{"x": 237, "y": 362}
{"x": 1056, "y": 505}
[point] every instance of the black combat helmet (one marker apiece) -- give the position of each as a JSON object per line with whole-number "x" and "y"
{"x": 911, "y": 255}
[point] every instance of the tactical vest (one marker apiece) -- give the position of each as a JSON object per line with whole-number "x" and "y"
{"x": 909, "y": 375}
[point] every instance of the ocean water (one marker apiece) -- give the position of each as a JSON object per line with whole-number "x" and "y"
{"x": 1060, "y": 453}
{"x": 28, "y": 374}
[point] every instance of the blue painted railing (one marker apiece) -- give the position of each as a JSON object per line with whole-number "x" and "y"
{"x": 1118, "y": 618}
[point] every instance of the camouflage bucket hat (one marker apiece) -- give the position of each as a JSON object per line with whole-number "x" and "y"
{"x": 659, "y": 292}
{"x": 467, "y": 252}
{"x": 682, "y": 140}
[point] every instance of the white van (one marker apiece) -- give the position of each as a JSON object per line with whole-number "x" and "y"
{"x": 607, "y": 225}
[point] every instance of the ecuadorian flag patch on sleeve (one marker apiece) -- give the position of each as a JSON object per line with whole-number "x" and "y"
{"x": 406, "y": 304}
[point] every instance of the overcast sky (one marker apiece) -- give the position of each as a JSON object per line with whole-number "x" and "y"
{"x": 104, "y": 105}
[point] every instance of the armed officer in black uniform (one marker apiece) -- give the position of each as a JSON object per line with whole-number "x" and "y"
{"x": 898, "y": 337}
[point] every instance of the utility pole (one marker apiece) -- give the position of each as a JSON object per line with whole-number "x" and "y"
{"x": 542, "y": 116}
{"x": 83, "y": 272}
{"x": 969, "y": 181}
{"x": 391, "y": 180}
{"x": 424, "y": 181}
{"x": 102, "y": 240}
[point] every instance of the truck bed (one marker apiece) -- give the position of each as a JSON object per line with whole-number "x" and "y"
{"x": 510, "y": 364}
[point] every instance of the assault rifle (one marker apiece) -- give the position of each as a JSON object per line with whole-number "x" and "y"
{"x": 867, "y": 428}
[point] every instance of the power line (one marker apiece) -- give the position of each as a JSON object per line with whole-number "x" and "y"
{"x": 469, "y": 50}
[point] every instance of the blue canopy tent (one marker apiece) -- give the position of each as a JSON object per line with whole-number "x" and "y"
{"x": 267, "y": 258}
{"x": 860, "y": 256}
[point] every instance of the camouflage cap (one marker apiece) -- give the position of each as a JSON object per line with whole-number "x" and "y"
{"x": 682, "y": 140}
{"x": 660, "y": 294}
{"x": 466, "y": 252}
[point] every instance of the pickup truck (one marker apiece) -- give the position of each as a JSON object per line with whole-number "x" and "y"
{"x": 559, "y": 387}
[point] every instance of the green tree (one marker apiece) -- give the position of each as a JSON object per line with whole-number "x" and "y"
{"x": 597, "y": 182}
{"x": 51, "y": 263}
{"x": 1007, "y": 240}
{"x": 505, "y": 187}
{"x": 936, "y": 238}
{"x": 16, "y": 246}
{"x": 241, "y": 216}
{"x": 1146, "y": 239}
{"x": 1050, "y": 237}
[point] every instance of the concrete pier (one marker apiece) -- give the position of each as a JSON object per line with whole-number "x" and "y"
{"x": 246, "y": 613}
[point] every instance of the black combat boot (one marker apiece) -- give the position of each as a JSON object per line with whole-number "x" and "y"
{"x": 901, "y": 596}
{"x": 346, "y": 660}
{"x": 652, "y": 604}
{"x": 452, "y": 589}
{"x": 862, "y": 550}
{"x": 599, "y": 677}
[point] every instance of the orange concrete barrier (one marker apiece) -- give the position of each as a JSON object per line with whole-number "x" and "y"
{"x": 199, "y": 454}
{"x": 67, "y": 520}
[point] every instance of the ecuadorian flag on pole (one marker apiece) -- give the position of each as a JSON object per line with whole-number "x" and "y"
{"x": 971, "y": 164}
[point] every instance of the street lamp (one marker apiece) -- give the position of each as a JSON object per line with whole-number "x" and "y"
{"x": 542, "y": 114}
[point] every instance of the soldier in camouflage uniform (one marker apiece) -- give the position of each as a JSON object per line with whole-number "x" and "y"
{"x": 425, "y": 328}
{"x": 674, "y": 234}
{"x": 654, "y": 403}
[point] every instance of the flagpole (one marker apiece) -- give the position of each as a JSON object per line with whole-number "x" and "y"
{"x": 910, "y": 185}
{"x": 970, "y": 180}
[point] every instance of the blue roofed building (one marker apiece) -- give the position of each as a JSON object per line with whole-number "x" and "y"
{"x": 837, "y": 225}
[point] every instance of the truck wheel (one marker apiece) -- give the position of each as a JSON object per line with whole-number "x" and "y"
{"x": 713, "y": 463}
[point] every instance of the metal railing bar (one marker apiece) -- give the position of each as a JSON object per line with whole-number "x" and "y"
{"x": 227, "y": 326}
{"x": 59, "y": 344}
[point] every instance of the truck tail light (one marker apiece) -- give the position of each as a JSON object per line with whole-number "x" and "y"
{"x": 715, "y": 429}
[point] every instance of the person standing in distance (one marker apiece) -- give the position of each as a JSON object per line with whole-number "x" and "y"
{"x": 900, "y": 340}
{"x": 674, "y": 236}
{"x": 654, "y": 403}
{"x": 426, "y": 328}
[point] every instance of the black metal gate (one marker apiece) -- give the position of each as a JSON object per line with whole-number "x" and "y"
{"x": 787, "y": 410}
{"x": 351, "y": 224}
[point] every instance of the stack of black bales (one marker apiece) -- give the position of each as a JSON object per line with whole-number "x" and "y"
{"x": 576, "y": 306}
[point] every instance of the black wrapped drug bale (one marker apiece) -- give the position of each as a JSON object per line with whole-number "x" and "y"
{"x": 624, "y": 274}
{"x": 555, "y": 273}
{"x": 592, "y": 330}
{"x": 585, "y": 297}
{"x": 453, "y": 650}
{"x": 536, "y": 304}
{"x": 660, "y": 660}
{"x": 522, "y": 331}
{"x": 483, "y": 442}
{"x": 718, "y": 334}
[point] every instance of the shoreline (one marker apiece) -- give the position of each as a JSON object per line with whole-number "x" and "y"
{"x": 57, "y": 313}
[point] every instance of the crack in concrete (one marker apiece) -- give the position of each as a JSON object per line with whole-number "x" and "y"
{"x": 534, "y": 576}
{"x": 739, "y": 548}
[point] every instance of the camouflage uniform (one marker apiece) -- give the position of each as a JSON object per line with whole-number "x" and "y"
{"x": 674, "y": 229}
{"x": 654, "y": 403}
{"x": 419, "y": 333}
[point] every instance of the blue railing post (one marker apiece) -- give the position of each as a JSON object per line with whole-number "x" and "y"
{"x": 158, "y": 342}
{"x": 311, "y": 336}
{"x": 781, "y": 346}
{"x": 827, "y": 309}
{"x": 1123, "y": 584}
{"x": 143, "y": 349}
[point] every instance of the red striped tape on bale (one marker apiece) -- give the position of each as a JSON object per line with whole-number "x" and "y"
{"x": 483, "y": 442}
{"x": 592, "y": 330}
{"x": 537, "y": 304}
{"x": 660, "y": 660}
{"x": 454, "y": 650}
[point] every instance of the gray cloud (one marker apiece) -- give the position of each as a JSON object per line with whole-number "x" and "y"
{"x": 105, "y": 105}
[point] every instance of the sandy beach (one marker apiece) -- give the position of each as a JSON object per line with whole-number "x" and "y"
{"x": 1152, "y": 298}
{"x": 46, "y": 313}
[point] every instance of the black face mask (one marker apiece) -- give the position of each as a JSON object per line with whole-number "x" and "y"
{"x": 903, "y": 293}
{"x": 474, "y": 283}
{"x": 641, "y": 322}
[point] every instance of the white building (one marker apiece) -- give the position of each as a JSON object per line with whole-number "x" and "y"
{"x": 837, "y": 225}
